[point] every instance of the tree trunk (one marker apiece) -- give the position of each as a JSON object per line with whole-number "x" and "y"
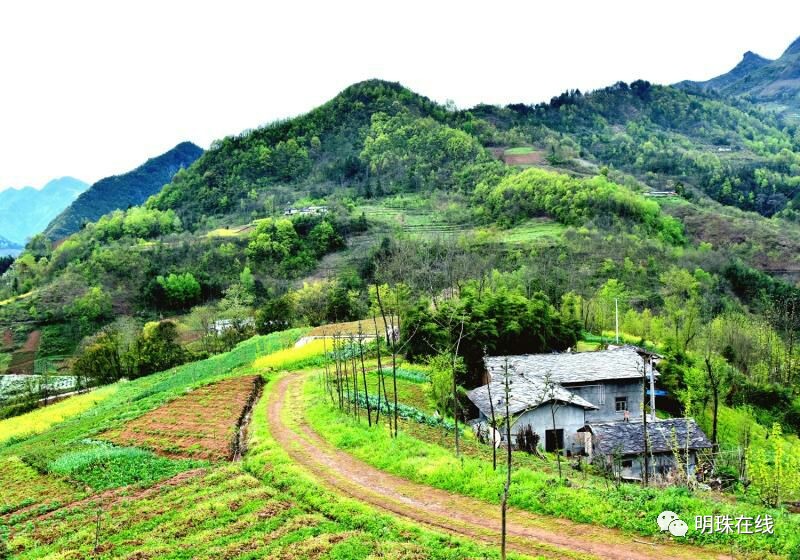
{"x": 364, "y": 375}
{"x": 493, "y": 427}
{"x": 646, "y": 473}
{"x": 455, "y": 387}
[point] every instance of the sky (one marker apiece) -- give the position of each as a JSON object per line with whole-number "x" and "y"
{"x": 91, "y": 89}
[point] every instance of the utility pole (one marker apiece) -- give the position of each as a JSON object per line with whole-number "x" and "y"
{"x": 616, "y": 318}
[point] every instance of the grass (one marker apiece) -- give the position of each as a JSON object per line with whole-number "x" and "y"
{"x": 233, "y": 231}
{"x": 412, "y": 392}
{"x": 16, "y": 298}
{"x": 129, "y": 400}
{"x": 530, "y": 231}
{"x": 521, "y": 150}
{"x": 584, "y": 346}
{"x": 5, "y": 359}
{"x": 23, "y": 486}
{"x": 630, "y": 508}
{"x": 41, "y": 419}
{"x": 263, "y": 507}
{"x": 102, "y": 466}
{"x": 58, "y": 340}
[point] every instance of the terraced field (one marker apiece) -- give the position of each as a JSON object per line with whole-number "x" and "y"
{"x": 203, "y": 424}
{"x": 66, "y": 495}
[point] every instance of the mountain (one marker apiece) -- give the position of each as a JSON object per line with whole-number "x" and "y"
{"x": 27, "y": 211}
{"x": 122, "y": 191}
{"x": 377, "y": 149}
{"x": 8, "y": 247}
{"x": 774, "y": 84}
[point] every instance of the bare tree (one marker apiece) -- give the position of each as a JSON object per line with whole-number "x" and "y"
{"x": 364, "y": 372}
{"x": 550, "y": 394}
{"x": 646, "y": 470}
{"x": 492, "y": 427}
{"x": 455, "y": 385}
{"x": 504, "y": 501}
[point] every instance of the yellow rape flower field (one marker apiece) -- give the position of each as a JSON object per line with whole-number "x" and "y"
{"x": 39, "y": 420}
{"x": 308, "y": 355}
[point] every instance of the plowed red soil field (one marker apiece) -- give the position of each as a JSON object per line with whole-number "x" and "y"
{"x": 204, "y": 424}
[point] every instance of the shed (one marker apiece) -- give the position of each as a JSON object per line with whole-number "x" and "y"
{"x": 624, "y": 442}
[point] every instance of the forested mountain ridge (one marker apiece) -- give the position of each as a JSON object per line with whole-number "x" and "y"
{"x": 319, "y": 150}
{"x": 669, "y": 139}
{"x": 26, "y": 211}
{"x": 523, "y": 219}
{"x": 666, "y": 137}
{"x": 122, "y": 191}
{"x": 378, "y": 139}
{"x": 775, "y": 84}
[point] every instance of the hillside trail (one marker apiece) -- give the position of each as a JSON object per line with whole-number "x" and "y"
{"x": 443, "y": 511}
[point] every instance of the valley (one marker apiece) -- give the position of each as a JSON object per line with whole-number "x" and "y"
{"x": 394, "y": 328}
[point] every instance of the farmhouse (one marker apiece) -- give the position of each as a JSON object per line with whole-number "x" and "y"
{"x": 582, "y": 403}
{"x": 306, "y": 211}
{"x": 620, "y": 445}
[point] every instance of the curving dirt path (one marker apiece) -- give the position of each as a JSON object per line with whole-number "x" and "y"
{"x": 444, "y": 511}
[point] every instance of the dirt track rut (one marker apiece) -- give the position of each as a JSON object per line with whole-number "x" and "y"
{"x": 444, "y": 511}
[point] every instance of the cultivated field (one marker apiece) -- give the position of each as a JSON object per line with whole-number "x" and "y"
{"x": 203, "y": 424}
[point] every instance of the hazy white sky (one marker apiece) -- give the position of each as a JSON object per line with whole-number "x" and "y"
{"x": 91, "y": 89}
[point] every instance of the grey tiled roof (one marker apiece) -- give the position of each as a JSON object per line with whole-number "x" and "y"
{"x": 575, "y": 367}
{"x": 625, "y": 438}
{"x": 524, "y": 393}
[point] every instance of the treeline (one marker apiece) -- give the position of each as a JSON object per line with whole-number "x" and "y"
{"x": 320, "y": 150}
{"x": 122, "y": 191}
{"x": 123, "y": 350}
{"x": 737, "y": 155}
{"x": 480, "y": 321}
{"x": 577, "y": 202}
{"x": 142, "y": 260}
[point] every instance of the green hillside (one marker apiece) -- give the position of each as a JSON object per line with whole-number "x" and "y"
{"x": 122, "y": 191}
{"x": 494, "y": 230}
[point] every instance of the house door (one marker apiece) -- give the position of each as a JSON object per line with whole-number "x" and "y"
{"x": 553, "y": 439}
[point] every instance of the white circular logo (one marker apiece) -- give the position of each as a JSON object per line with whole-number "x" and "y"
{"x": 669, "y": 521}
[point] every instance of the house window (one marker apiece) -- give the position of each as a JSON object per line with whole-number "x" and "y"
{"x": 553, "y": 439}
{"x": 621, "y": 404}
{"x": 627, "y": 464}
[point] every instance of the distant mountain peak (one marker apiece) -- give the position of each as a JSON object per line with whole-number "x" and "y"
{"x": 25, "y": 212}
{"x": 122, "y": 191}
{"x": 750, "y": 57}
{"x": 772, "y": 83}
{"x": 794, "y": 48}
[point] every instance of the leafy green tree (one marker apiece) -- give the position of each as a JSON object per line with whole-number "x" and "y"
{"x": 774, "y": 471}
{"x": 611, "y": 296}
{"x": 276, "y": 314}
{"x": 91, "y": 308}
{"x": 273, "y": 241}
{"x": 180, "y": 290}
{"x": 247, "y": 281}
{"x": 100, "y": 360}
{"x": 681, "y": 293}
{"x": 157, "y": 348}
{"x": 441, "y": 369}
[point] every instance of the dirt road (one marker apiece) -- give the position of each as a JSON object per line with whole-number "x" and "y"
{"x": 444, "y": 511}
